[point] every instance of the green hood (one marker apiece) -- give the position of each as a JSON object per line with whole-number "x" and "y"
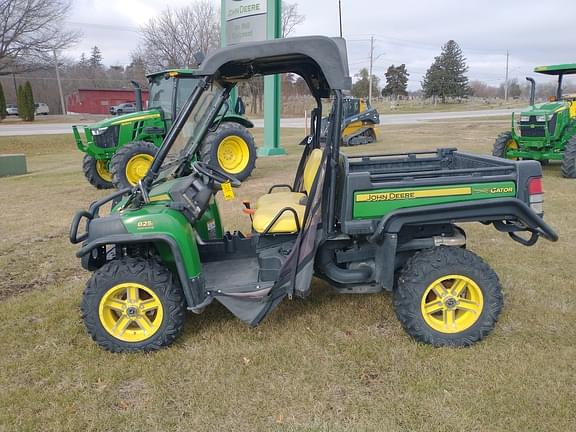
{"x": 127, "y": 118}
{"x": 545, "y": 108}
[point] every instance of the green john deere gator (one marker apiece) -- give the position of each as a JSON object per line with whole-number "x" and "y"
{"x": 366, "y": 224}
{"x": 546, "y": 131}
{"x": 119, "y": 150}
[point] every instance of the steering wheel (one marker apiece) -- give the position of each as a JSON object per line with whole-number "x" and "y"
{"x": 215, "y": 174}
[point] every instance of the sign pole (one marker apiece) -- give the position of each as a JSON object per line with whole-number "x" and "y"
{"x": 272, "y": 90}
{"x": 223, "y": 42}
{"x": 251, "y": 21}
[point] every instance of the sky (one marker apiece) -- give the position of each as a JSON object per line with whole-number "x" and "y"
{"x": 411, "y": 32}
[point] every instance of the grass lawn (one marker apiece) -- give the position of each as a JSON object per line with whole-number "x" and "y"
{"x": 330, "y": 362}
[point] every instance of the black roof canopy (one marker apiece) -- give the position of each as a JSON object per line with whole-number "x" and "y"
{"x": 320, "y": 60}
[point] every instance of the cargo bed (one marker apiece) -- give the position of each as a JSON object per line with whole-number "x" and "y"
{"x": 375, "y": 185}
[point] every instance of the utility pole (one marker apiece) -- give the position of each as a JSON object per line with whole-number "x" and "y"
{"x": 506, "y": 80}
{"x": 15, "y": 86}
{"x": 370, "y": 75}
{"x": 62, "y": 103}
{"x": 340, "y": 15}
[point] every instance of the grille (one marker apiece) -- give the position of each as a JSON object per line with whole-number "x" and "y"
{"x": 108, "y": 139}
{"x": 538, "y": 131}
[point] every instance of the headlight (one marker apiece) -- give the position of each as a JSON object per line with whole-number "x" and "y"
{"x": 541, "y": 118}
{"x": 99, "y": 131}
{"x": 525, "y": 118}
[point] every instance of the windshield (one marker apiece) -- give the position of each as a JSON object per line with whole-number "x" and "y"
{"x": 161, "y": 94}
{"x": 193, "y": 130}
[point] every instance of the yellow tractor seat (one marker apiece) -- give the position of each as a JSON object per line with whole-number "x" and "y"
{"x": 573, "y": 109}
{"x": 279, "y": 198}
{"x": 286, "y": 223}
{"x": 288, "y": 199}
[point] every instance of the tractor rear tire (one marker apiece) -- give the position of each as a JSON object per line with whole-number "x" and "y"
{"x": 501, "y": 145}
{"x": 569, "y": 159}
{"x": 447, "y": 296}
{"x": 230, "y": 148}
{"x": 96, "y": 172}
{"x": 133, "y": 304}
{"x": 131, "y": 163}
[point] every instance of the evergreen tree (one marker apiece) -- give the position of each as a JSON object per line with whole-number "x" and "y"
{"x": 446, "y": 76}
{"x": 83, "y": 63}
{"x": 26, "y": 102}
{"x": 95, "y": 60}
{"x": 2, "y": 104}
{"x": 362, "y": 85}
{"x": 20, "y": 101}
{"x": 396, "y": 81}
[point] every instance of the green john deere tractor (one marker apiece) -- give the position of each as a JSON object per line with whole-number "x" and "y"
{"x": 120, "y": 150}
{"x": 546, "y": 131}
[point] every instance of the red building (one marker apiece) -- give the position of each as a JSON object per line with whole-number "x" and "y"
{"x": 99, "y": 101}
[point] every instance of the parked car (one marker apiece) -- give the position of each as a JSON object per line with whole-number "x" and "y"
{"x": 11, "y": 109}
{"x": 41, "y": 108}
{"x": 123, "y": 108}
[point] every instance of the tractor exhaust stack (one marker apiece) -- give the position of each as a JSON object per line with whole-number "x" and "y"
{"x": 532, "y": 90}
{"x": 137, "y": 95}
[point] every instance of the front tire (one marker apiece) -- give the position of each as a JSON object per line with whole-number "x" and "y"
{"x": 447, "y": 296}
{"x": 131, "y": 163}
{"x": 503, "y": 143}
{"x": 230, "y": 148}
{"x": 133, "y": 304}
{"x": 569, "y": 159}
{"x": 97, "y": 172}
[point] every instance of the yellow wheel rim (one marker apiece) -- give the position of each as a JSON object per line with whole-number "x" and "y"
{"x": 137, "y": 167}
{"x": 452, "y": 304}
{"x": 511, "y": 145}
{"x": 102, "y": 170}
{"x": 131, "y": 312}
{"x": 233, "y": 154}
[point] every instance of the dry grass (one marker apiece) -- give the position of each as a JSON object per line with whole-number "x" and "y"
{"x": 330, "y": 362}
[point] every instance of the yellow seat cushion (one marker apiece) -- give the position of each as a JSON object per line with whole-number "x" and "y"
{"x": 285, "y": 198}
{"x": 264, "y": 215}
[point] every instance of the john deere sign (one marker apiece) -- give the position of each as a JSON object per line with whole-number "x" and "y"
{"x": 245, "y": 21}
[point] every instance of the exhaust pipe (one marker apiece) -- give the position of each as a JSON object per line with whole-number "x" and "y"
{"x": 532, "y": 90}
{"x": 343, "y": 276}
{"x": 137, "y": 95}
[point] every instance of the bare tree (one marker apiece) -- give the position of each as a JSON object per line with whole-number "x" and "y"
{"x": 30, "y": 30}
{"x": 290, "y": 18}
{"x": 176, "y": 35}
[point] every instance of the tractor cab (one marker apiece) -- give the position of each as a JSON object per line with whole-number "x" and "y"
{"x": 359, "y": 122}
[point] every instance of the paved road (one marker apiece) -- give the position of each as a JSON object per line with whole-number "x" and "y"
{"x": 9, "y": 129}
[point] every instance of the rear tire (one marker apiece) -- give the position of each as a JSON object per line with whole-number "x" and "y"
{"x": 569, "y": 159}
{"x": 97, "y": 173}
{"x": 147, "y": 320}
{"x": 502, "y": 144}
{"x": 447, "y": 296}
{"x": 131, "y": 163}
{"x": 230, "y": 148}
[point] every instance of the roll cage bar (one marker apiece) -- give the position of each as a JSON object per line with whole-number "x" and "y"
{"x": 321, "y": 61}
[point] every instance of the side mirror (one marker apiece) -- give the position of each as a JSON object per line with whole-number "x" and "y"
{"x": 240, "y": 107}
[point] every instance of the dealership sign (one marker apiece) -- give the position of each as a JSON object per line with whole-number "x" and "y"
{"x": 245, "y": 21}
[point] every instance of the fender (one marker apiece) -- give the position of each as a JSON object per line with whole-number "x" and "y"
{"x": 235, "y": 118}
{"x": 189, "y": 286}
{"x": 490, "y": 210}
